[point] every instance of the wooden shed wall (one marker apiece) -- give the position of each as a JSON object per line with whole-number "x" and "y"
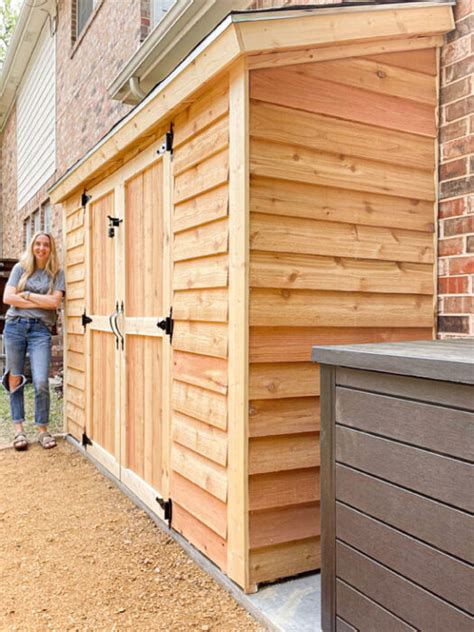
{"x": 74, "y": 347}
{"x": 198, "y": 483}
{"x": 342, "y": 191}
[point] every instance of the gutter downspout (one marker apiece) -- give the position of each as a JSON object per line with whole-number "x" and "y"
{"x": 134, "y": 85}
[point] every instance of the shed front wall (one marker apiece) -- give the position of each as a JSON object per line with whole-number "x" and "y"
{"x": 342, "y": 192}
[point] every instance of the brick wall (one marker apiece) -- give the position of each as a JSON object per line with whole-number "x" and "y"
{"x": 456, "y": 175}
{"x": 10, "y": 227}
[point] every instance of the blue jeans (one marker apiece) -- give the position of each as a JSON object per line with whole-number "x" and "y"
{"x": 30, "y": 335}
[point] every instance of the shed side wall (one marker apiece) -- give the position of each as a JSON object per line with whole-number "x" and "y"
{"x": 198, "y": 480}
{"x": 342, "y": 192}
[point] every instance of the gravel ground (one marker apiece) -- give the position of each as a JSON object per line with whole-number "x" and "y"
{"x": 6, "y": 427}
{"x": 76, "y": 554}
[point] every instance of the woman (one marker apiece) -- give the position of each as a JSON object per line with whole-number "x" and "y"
{"x": 34, "y": 291}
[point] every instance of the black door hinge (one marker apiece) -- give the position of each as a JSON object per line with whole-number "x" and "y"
{"x": 167, "y": 507}
{"x": 85, "y": 319}
{"x": 85, "y": 199}
{"x": 167, "y": 324}
{"x": 85, "y": 440}
{"x": 168, "y": 144}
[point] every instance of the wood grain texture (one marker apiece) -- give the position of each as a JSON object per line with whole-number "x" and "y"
{"x": 292, "y": 452}
{"x": 298, "y": 199}
{"x": 317, "y": 237}
{"x": 302, "y": 164}
{"x": 288, "y": 524}
{"x": 208, "y": 305}
{"x": 313, "y": 272}
{"x": 277, "y": 381}
{"x": 200, "y": 437}
{"x": 322, "y": 133}
{"x": 268, "y": 417}
{"x": 398, "y": 595}
{"x": 203, "y": 241}
{"x": 200, "y": 471}
{"x": 436, "y": 428}
{"x": 200, "y": 370}
{"x": 419, "y": 61}
{"x": 201, "y": 338}
{"x": 446, "y": 528}
{"x": 338, "y": 309}
{"x": 406, "y": 556}
{"x": 203, "y": 404}
{"x": 286, "y": 559}
{"x": 299, "y": 90}
{"x": 266, "y": 343}
{"x": 204, "y": 176}
{"x": 278, "y": 489}
{"x": 210, "y": 273}
{"x": 435, "y": 476}
{"x": 204, "y": 208}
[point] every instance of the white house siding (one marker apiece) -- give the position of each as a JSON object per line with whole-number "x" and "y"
{"x": 36, "y": 114}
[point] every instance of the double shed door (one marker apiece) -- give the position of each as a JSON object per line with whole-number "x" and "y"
{"x": 128, "y": 355}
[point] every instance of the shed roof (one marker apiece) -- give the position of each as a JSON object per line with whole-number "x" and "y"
{"x": 256, "y": 34}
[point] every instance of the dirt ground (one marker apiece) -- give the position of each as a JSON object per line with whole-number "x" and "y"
{"x": 76, "y": 554}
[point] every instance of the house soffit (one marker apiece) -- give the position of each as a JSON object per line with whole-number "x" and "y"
{"x": 252, "y": 34}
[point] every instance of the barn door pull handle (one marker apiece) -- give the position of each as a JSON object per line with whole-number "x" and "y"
{"x": 111, "y": 323}
{"x": 117, "y": 312}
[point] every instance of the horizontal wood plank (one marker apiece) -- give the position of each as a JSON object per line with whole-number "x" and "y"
{"x": 435, "y": 476}
{"x": 203, "y": 338}
{"x": 298, "y": 199}
{"x": 204, "y": 371}
{"x": 207, "y": 143}
{"x": 203, "y": 404}
{"x": 322, "y": 133}
{"x": 277, "y": 381}
{"x": 268, "y": 417}
{"x": 302, "y": 164}
{"x": 200, "y": 471}
{"x": 266, "y": 343}
{"x": 207, "y": 272}
{"x": 278, "y": 489}
{"x": 278, "y": 453}
{"x": 200, "y": 437}
{"x": 206, "y": 175}
{"x": 282, "y": 560}
{"x": 301, "y": 91}
{"x": 206, "y": 240}
{"x": 420, "y": 61}
{"x": 445, "y": 528}
{"x": 283, "y": 524}
{"x": 333, "y": 239}
{"x": 339, "y": 309}
{"x": 204, "y": 208}
{"x": 312, "y": 272}
{"x": 209, "y": 305}
{"x": 437, "y": 428}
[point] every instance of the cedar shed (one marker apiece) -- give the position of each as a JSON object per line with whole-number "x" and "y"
{"x": 276, "y": 191}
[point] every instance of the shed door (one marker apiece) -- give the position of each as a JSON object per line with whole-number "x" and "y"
{"x": 103, "y": 415}
{"x": 145, "y": 374}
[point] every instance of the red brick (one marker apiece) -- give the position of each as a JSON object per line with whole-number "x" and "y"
{"x": 458, "y": 226}
{"x": 461, "y": 265}
{"x": 459, "y": 109}
{"x": 462, "y": 8}
{"x": 453, "y": 169}
{"x": 463, "y": 27}
{"x": 453, "y": 285}
{"x": 453, "y": 324}
{"x": 471, "y": 124}
{"x": 448, "y": 247}
{"x": 455, "y": 188}
{"x": 458, "y": 305}
{"x": 459, "y": 147}
{"x": 454, "y": 130}
{"x": 459, "y": 69}
{"x": 456, "y": 90}
{"x": 456, "y": 50}
{"x": 470, "y": 244}
{"x": 451, "y": 208}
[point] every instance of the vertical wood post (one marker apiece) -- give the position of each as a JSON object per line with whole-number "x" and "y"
{"x": 237, "y": 508}
{"x": 120, "y": 356}
{"x": 65, "y": 317}
{"x": 328, "y": 499}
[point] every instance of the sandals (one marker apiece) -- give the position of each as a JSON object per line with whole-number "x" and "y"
{"x": 46, "y": 440}
{"x": 20, "y": 442}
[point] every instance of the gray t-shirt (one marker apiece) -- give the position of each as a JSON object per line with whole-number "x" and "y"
{"x": 38, "y": 283}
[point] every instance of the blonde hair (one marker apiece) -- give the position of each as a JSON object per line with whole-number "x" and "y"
{"x": 28, "y": 262}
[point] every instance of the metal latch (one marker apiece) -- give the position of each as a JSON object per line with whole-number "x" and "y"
{"x": 167, "y": 324}
{"x": 114, "y": 222}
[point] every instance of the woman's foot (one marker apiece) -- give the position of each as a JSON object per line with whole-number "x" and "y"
{"x": 46, "y": 440}
{"x": 20, "y": 442}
